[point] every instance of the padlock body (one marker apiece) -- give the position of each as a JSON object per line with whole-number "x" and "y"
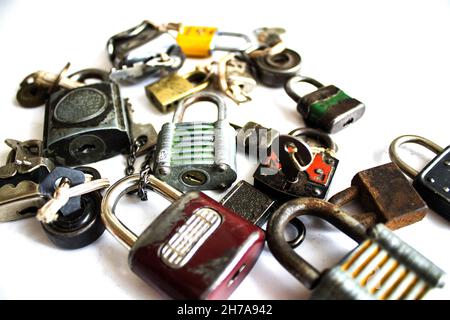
{"x": 196, "y": 155}
{"x": 330, "y": 109}
{"x": 196, "y": 249}
{"x": 382, "y": 267}
{"x": 250, "y": 203}
{"x": 386, "y": 191}
{"x": 274, "y": 70}
{"x": 313, "y": 182}
{"x": 86, "y": 124}
{"x": 433, "y": 183}
{"x": 196, "y": 41}
{"x": 168, "y": 91}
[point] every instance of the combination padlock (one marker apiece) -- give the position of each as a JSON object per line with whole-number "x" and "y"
{"x": 432, "y": 182}
{"x": 197, "y": 155}
{"x": 20, "y": 177}
{"x": 327, "y": 108}
{"x": 296, "y": 169}
{"x": 200, "y": 42}
{"x": 143, "y": 50}
{"x": 382, "y": 266}
{"x": 168, "y": 91}
{"x": 91, "y": 123}
{"x": 195, "y": 249}
{"x": 386, "y": 196}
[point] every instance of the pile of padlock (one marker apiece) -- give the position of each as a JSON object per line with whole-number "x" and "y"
{"x": 213, "y": 245}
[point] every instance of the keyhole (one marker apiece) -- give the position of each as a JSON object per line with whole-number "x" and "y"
{"x": 86, "y": 148}
{"x": 236, "y": 275}
{"x": 194, "y": 178}
{"x": 348, "y": 122}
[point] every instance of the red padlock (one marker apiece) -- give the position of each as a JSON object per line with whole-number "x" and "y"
{"x": 195, "y": 249}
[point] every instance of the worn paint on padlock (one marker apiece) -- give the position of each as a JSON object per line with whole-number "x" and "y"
{"x": 168, "y": 91}
{"x": 196, "y": 41}
{"x": 210, "y": 262}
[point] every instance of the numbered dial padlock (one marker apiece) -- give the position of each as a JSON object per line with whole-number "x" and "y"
{"x": 296, "y": 169}
{"x": 143, "y": 50}
{"x": 91, "y": 123}
{"x": 197, "y": 155}
{"x": 385, "y": 195}
{"x": 382, "y": 266}
{"x": 328, "y": 108}
{"x": 200, "y": 42}
{"x": 195, "y": 249}
{"x": 71, "y": 216}
{"x": 432, "y": 182}
{"x": 20, "y": 177}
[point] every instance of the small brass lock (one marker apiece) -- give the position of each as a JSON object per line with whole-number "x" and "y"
{"x": 168, "y": 91}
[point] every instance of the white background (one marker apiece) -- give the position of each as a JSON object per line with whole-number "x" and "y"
{"x": 393, "y": 56}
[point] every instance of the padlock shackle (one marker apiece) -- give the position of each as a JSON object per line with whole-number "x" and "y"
{"x": 247, "y": 41}
{"x": 282, "y": 251}
{"x": 288, "y": 86}
{"x": 316, "y": 134}
{"x": 395, "y": 157}
{"x": 117, "y": 191}
{"x": 198, "y": 97}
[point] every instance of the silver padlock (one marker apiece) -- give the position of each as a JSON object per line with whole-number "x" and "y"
{"x": 143, "y": 50}
{"x": 197, "y": 155}
{"x": 381, "y": 267}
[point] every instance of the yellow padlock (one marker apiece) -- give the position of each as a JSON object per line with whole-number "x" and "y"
{"x": 199, "y": 42}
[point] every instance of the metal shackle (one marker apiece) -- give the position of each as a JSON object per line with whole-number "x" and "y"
{"x": 285, "y": 254}
{"x": 117, "y": 191}
{"x": 288, "y": 86}
{"x": 317, "y": 135}
{"x": 91, "y": 73}
{"x": 199, "y": 97}
{"x": 395, "y": 157}
{"x": 246, "y": 44}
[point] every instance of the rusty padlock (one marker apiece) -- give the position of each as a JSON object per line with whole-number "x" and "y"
{"x": 386, "y": 196}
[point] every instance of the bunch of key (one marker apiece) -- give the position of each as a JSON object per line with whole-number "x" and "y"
{"x": 200, "y": 248}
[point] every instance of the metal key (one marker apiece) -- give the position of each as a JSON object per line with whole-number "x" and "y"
{"x": 36, "y": 87}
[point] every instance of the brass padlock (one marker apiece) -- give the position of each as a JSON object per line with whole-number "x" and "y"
{"x": 168, "y": 91}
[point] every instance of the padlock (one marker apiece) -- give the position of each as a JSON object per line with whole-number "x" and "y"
{"x": 143, "y": 50}
{"x": 200, "y": 42}
{"x": 255, "y": 140}
{"x": 197, "y": 155}
{"x": 168, "y": 91}
{"x": 432, "y": 182}
{"x": 20, "y": 177}
{"x": 274, "y": 70}
{"x": 386, "y": 196}
{"x": 91, "y": 123}
{"x": 256, "y": 207}
{"x": 78, "y": 223}
{"x": 195, "y": 249}
{"x": 327, "y": 108}
{"x": 284, "y": 177}
{"x": 382, "y": 266}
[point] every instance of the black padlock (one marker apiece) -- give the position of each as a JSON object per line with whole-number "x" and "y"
{"x": 256, "y": 207}
{"x": 298, "y": 170}
{"x": 274, "y": 70}
{"x": 432, "y": 182}
{"x": 91, "y": 123}
{"x": 328, "y": 108}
